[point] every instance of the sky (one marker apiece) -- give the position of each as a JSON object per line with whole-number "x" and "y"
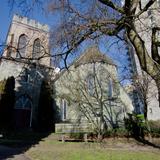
{"x": 6, "y": 14}
{"x": 5, "y": 18}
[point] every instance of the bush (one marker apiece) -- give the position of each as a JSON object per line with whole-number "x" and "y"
{"x": 45, "y": 108}
{"x": 121, "y": 132}
{"x": 154, "y": 128}
{"x": 7, "y": 100}
{"x": 76, "y": 135}
{"x": 136, "y": 126}
{"x": 117, "y": 132}
{"x": 109, "y": 133}
{"x": 2, "y": 86}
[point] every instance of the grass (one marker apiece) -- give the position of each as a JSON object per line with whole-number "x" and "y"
{"x": 51, "y": 149}
{"x": 90, "y": 154}
{"x": 94, "y": 155}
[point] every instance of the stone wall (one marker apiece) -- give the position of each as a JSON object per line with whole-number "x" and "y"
{"x": 65, "y": 88}
{"x": 33, "y": 30}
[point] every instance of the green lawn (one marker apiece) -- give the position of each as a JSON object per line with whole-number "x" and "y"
{"x": 90, "y": 154}
{"x": 50, "y": 149}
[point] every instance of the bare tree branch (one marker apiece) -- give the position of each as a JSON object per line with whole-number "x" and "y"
{"x": 112, "y": 5}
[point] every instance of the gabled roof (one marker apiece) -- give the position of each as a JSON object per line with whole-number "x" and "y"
{"x": 92, "y": 55}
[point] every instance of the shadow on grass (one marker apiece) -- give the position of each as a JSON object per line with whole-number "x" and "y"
{"x": 18, "y": 142}
{"x": 147, "y": 142}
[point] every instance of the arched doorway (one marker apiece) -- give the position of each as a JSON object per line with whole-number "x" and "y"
{"x": 23, "y": 112}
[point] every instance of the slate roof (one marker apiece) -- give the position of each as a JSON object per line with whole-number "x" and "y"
{"x": 92, "y": 55}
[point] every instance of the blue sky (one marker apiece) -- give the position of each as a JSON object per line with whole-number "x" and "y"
{"x": 6, "y": 15}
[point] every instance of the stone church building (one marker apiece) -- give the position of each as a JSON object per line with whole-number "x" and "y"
{"x": 26, "y": 58}
{"x": 88, "y": 92}
{"x": 92, "y": 99}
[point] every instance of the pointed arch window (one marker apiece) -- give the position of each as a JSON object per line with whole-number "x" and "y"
{"x": 110, "y": 88}
{"x": 36, "y": 48}
{"x": 23, "y": 102}
{"x": 63, "y": 106}
{"x": 22, "y": 44}
{"x": 91, "y": 84}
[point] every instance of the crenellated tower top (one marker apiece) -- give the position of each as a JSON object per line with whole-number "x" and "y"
{"x": 30, "y": 22}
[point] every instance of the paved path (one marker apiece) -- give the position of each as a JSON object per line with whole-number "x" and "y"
{"x": 7, "y": 153}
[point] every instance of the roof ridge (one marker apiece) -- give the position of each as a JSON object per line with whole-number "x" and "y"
{"x": 93, "y": 54}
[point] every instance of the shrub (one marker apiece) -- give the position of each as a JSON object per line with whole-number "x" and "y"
{"x": 117, "y": 132}
{"x": 7, "y": 101}
{"x": 136, "y": 126}
{"x": 45, "y": 109}
{"x": 76, "y": 135}
{"x": 109, "y": 133}
{"x": 2, "y": 86}
{"x": 154, "y": 128}
{"x": 121, "y": 132}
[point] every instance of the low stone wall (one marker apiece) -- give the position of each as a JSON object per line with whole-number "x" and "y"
{"x": 73, "y": 128}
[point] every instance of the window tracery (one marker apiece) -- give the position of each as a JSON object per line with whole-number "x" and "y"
{"x": 22, "y": 44}
{"x": 36, "y": 48}
{"x": 23, "y": 102}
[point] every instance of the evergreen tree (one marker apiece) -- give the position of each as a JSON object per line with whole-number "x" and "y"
{"x": 45, "y": 108}
{"x": 7, "y": 101}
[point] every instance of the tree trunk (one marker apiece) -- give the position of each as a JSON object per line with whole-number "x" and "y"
{"x": 145, "y": 110}
{"x": 147, "y": 64}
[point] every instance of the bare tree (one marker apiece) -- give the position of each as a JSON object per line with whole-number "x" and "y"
{"x": 93, "y": 96}
{"x": 143, "y": 85}
{"x": 89, "y": 20}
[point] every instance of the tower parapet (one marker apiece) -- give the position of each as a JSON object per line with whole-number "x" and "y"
{"x": 27, "y": 38}
{"x": 30, "y": 22}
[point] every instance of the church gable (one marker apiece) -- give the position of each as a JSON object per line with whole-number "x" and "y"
{"x": 87, "y": 87}
{"x": 93, "y": 55}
